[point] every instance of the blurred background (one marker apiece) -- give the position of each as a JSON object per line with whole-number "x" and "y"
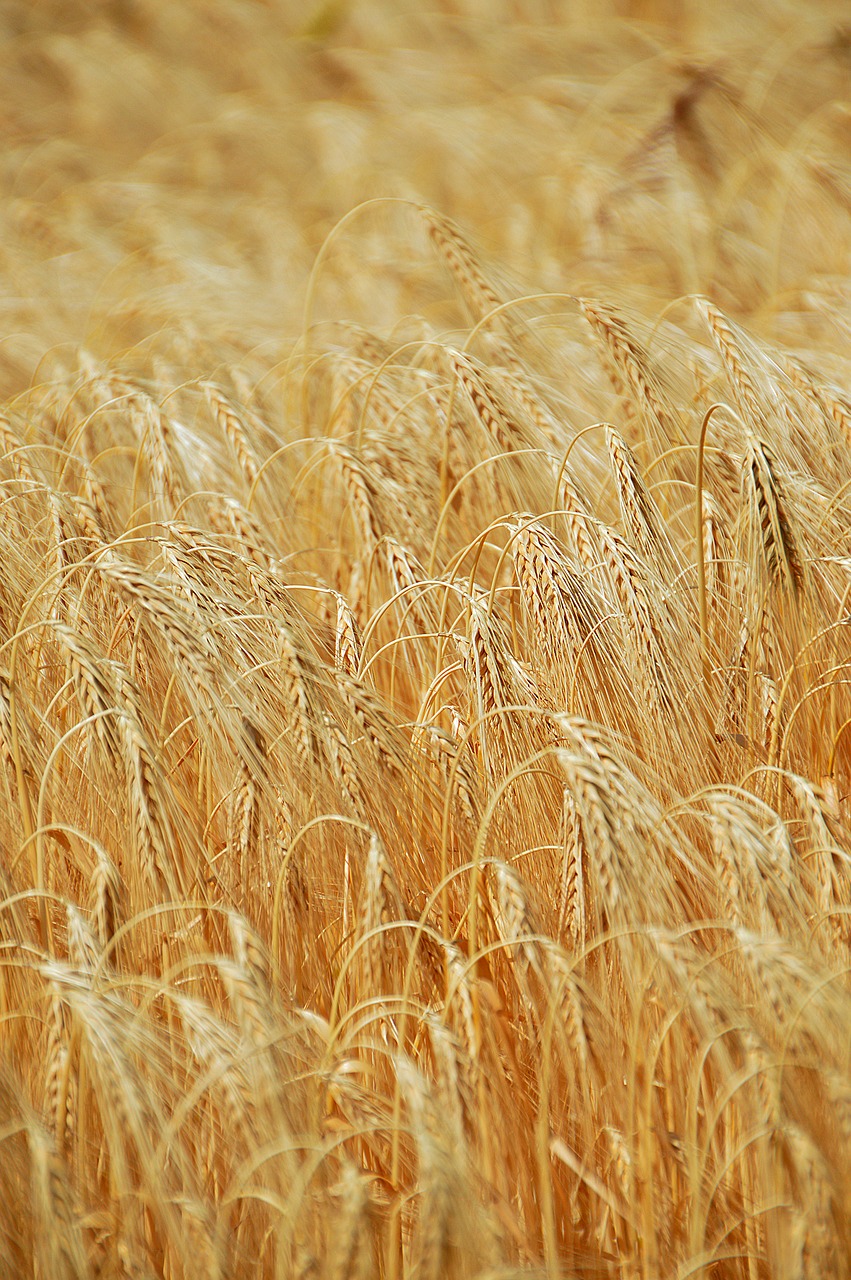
{"x": 176, "y": 167}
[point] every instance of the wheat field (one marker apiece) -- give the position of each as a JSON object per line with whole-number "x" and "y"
{"x": 425, "y": 640}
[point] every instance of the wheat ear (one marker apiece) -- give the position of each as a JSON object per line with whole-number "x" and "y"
{"x": 770, "y": 520}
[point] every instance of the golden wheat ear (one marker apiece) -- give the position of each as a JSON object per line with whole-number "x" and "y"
{"x": 628, "y": 366}
{"x": 770, "y": 519}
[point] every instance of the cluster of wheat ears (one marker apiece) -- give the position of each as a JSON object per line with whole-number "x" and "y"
{"x": 425, "y": 732}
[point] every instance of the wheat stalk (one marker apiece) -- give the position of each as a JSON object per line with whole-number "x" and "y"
{"x": 382, "y": 904}
{"x": 629, "y": 366}
{"x": 347, "y": 638}
{"x": 105, "y": 897}
{"x": 60, "y": 1101}
{"x": 487, "y": 404}
{"x": 235, "y": 431}
{"x": 59, "y": 1238}
{"x": 771, "y": 524}
{"x": 641, "y": 517}
{"x": 649, "y": 642}
{"x": 572, "y": 914}
{"x": 735, "y": 361}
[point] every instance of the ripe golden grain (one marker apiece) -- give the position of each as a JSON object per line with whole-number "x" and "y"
{"x": 425, "y": 819}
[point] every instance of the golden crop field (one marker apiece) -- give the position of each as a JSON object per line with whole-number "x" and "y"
{"x": 425, "y": 640}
